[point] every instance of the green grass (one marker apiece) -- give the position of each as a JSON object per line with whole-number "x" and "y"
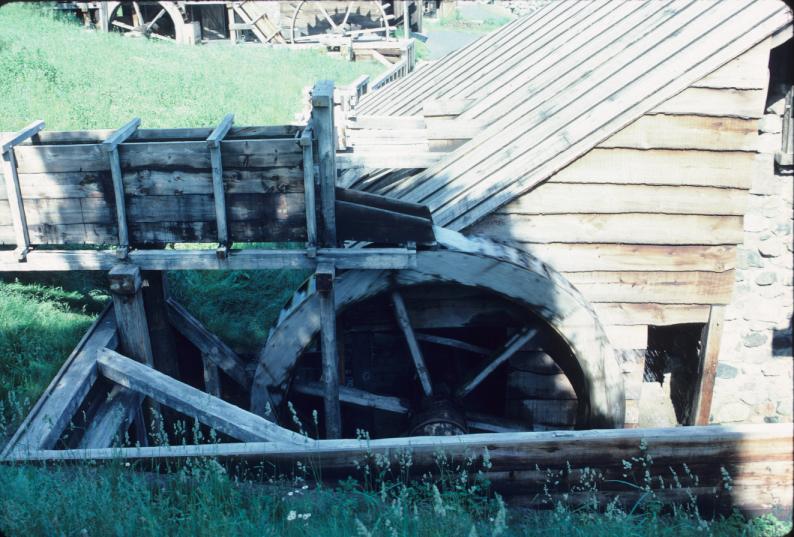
{"x": 200, "y": 498}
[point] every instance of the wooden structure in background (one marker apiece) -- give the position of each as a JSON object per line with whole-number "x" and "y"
{"x": 615, "y": 142}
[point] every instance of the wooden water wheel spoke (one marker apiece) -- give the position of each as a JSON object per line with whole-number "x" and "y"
{"x": 501, "y": 356}
{"x": 311, "y": 20}
{"x": 155, "y": 19}
{"x": 451, "y": 342}
{"x": 125, "y": 26}
{"x": 326, "y": 15}
{"x": 404, "y": 321}
{"x": 356, "y": 396}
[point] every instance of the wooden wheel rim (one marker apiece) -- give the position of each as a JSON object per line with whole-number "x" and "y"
{"x": 170, "y": 8}
{"x": 475, "y": 262}
{"x": 292, "y": 37}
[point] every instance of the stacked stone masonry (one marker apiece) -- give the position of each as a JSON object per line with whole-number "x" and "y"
{"x": 754, "y": 375}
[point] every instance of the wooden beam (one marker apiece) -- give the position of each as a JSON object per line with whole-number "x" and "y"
{"x": 249, "y": 259}
{"x": 355, "y": 396}
{"x": 216, "y": 413}
{"x": 113, "y": 417}
{"x": 111, "y": 147}
{"x": 450, "y": 342}
{"x": 708, "y": 357}
{"x": 52, "y": 413}
{"x": 309, "y": 186}
{"x": 20, "y": 136}
{"x": 8, "y": 166}
{"x": 499, "y": 357}
{"x": 325, "y": 286}
{"x": 404, "y": 321}
{"x": 208, "y": 343}
{"x": 323, "y": 126}
{"x": 758, "y": 457}
{"x": 214, "y": 145}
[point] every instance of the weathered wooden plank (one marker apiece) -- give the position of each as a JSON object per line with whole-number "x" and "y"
{"x": 627, "y": 336}
{"x": 707, "y": 367}
{"x": 614, "y": 228}
{"x": 121, "y": 134}
{"x": 387, "y": 159}
{"x": 54, "y": 410}
{"x": 404, "y": 322}
{"x": 687, "y": 132}
{"x": 651, "y": 314}
{"x": 355, "y": 396}
{"x": 158, "y": 183}
{"x": 385, "y": 122}
{"x": 216, "y": 413}
{"x": 28, "y": 132}
{"x": 385, "y": 136}
{"x": 728, "y": 169}
{"x": 655, "y": 287}
{"x": 495, "y": 360}
{"x": 190, "y": 155}
{"x": 167, "y": 135}
{"x": 372, "y": 224}
{"x": 208, "y": 343}
{"x": 310, "y": 196}
{"x": 725, "y": 102}
{"x": 323, "y": 127}
{"x": 574, "y": 198}
{"x": 112, "y": 418}
{"x": 748, "y": 71}
{"x": 579, "y": 257}
{"x": 249, "y": 259}
{"x": 324, "y": 278}
{"x": 216, "y": 160}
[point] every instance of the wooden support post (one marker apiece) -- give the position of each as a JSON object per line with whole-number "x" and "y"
{"x": 323, "y": 126}
{"x": 401, "y": 313}
{"x": 8, "y": 165}
{"x": 111, "y": 147}
{"x": 161, "y": 334}
{"x": 102, "y": 17}
{"x": 325, "y": 286}
{"x": 406, "y": 20}
{"x": 707, "y": 367}
{"x": 125, "y": 287}
{"x": 212, "y": 380}
{"x": 308, "y": 189}
{"x": 214, "y": 145}
{"x": 232, "y": 25}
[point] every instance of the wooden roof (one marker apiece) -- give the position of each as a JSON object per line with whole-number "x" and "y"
{"x": 550, "y": 86}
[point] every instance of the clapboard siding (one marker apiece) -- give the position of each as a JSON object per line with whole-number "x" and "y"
{"x": 627, "y": 314}
{"x": 655, "y": 287}
{"x": 558, "y": 198}
{"x": 632, "y": 228}
{"x": 578, "y": 257}
{"x": 659, "y": 131}
{"x": 724, "y": 102}
{"x": 747, "y": 71}
{"x": 726, "y": 169}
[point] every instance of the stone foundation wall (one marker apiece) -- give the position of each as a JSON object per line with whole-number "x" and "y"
{"x": 754, "y": 376}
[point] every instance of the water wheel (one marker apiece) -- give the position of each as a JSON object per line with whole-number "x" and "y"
{"x": 154, "y": 20}
{"x": 477, "y": 337}
{"x": 312, "y": 20}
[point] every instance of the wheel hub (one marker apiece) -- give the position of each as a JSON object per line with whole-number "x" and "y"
{"x": 440, "y": 417}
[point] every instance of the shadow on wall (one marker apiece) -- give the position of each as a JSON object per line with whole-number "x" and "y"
{"x": 782, "y": 340}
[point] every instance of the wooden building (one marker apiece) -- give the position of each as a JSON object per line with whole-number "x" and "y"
{"x": 615, "y": 141}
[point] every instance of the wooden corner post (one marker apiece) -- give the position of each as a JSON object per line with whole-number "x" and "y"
{"x": 325, "y": 288}
{"x": 700, "y": 409}
{"x": 323, "y": 126}
{"x": 111, "y": 147}
{"x": 8, "y": 165}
